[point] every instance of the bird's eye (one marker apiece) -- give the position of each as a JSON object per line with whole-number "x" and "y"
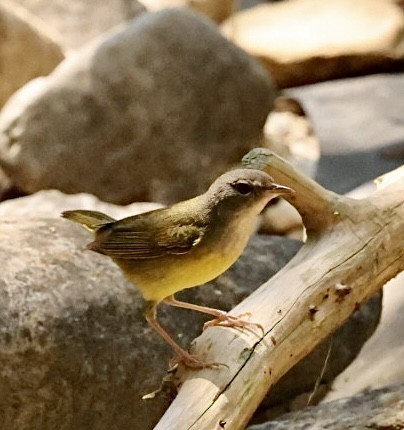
{"x": 243, "y": 187}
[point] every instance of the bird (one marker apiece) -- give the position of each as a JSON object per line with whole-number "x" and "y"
{"x": 185, "y": 245}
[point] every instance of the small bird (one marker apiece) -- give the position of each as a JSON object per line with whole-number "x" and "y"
{"x": 185, "y": 245}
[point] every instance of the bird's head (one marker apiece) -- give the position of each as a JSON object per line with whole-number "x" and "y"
{"x": 244, "y": 190}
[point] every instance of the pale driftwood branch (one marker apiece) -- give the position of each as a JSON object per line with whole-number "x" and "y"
{"x": 353, "y": 248}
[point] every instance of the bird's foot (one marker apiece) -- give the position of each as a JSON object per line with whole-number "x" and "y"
{"x": 223, "y": 319}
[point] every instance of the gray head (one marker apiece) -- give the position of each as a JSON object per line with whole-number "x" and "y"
{"x": 242, "y": 190}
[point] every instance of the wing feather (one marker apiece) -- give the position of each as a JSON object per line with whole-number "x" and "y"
{"x": 139, "y": 238}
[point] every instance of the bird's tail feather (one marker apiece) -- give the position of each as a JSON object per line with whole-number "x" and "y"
{"x": 91, "y": 220}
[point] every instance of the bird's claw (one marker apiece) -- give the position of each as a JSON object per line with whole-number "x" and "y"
{"x": 226, "y": 320}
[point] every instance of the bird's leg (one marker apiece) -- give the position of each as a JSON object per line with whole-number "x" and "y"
{"x": 222, "y": 318}
{"x": 183, "y": 356}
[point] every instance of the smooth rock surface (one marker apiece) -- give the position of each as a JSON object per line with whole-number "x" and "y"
{"x": 27, "y": 49}
{"x": 217, "y": 10}
{"x": 359, "y": 125}
{"x": 51, "y": 203}
{"x": 378, "y": 410}
{"x": 306, "y": 41}
{"x": 5, "y": 184}
{"x": 165, "y": 101}
{"x": 79, "y": 21}
{"x": 289, "y": 132}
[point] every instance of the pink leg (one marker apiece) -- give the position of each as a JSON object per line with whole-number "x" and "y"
{"x": 222, "y": 318}
{"x": 183, "y": 356}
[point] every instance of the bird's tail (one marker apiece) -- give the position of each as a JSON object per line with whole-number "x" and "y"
{"x": 91, "y": 220}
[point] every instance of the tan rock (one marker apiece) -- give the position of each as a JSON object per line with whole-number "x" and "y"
{"x": 155, "y": 5}
{"x": 289, "y": 133}
{"x": 4, "y": 183}
{"x": 217, "y": 10}
{"x": 27, "y": 49}
{"x": 305, "y": 41}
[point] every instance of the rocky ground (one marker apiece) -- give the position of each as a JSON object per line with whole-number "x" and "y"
{"x": 121, "y": 102}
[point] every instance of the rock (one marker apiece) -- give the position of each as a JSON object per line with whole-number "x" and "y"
{"x": 358, "y": 122}
{"x": 76, "y": 351}
{"x": 379, "y": 410}
{"x": 133, "y": 117}
{"x": 27, "y": 49}
{"x": 51, "y": 203}
{"x": 301, "y": 42}
{"x": 217, "y": 10}
{"x": 288, "y": 131}
{"x": 5, "y": 184}
{"x": 156, "y": 5}
{"x": 79, "y": 21}
{"x": 280, "y": 218}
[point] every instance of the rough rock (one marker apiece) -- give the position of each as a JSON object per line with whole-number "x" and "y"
{"x": 76, "y": 351}
{"x": 378, "y": 410}
{"x": 306, "y": 41}
{"x": 79, "y": 21}
{"x": 148, "y": 106}
{"x": 359, "y": 125}
{"x": 27, "y": 49}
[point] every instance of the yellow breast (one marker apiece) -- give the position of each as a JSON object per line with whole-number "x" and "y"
{"x": 160, "y": 278}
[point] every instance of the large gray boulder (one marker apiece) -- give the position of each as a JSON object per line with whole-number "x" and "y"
{"x": 153, "y": 104}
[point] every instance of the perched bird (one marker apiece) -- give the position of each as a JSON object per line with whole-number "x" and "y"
{"x": 187, "y": 244}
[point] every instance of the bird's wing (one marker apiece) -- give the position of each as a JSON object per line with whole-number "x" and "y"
{"x": 140, "y": 238}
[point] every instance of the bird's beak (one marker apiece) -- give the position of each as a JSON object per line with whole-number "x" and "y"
{"x": 280, "y": 189}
